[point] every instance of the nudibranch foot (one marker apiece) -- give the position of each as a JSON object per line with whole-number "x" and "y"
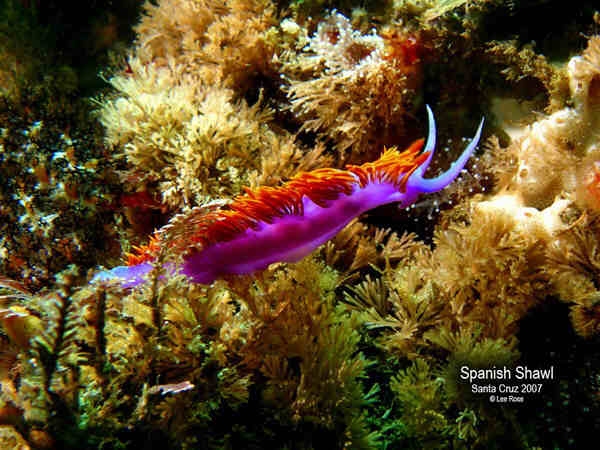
{"x": 269, "y": 224}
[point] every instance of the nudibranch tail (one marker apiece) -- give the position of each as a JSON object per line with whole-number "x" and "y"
{"x": 286, "y": 223}
{"x": 128, "y": 276}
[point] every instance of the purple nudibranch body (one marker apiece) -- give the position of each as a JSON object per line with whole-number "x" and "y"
{"x": 295, "y": 219}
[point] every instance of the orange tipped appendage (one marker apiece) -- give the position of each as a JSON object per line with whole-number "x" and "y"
{"x": 143, "y": 253}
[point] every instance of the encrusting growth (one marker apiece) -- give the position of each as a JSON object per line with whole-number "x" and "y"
{"x": 287, "y": 223}
{"x": 350, "y": 87}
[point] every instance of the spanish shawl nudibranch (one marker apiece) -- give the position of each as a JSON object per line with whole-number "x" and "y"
{"x": 287, "y": 223}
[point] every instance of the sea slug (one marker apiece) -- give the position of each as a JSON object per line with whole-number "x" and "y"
{"x": 287, "y": 223}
